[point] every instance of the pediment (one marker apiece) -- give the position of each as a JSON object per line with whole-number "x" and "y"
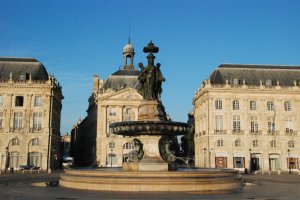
{"x": 127, "y": 94}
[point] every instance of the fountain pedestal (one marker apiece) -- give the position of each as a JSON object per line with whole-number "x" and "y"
{"x": 152, "y": 160}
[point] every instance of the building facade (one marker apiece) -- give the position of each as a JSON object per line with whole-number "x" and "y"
{"x": 248, "y": 116}
{"x": 30, "y": 112}
{"x": 112, "y": 100}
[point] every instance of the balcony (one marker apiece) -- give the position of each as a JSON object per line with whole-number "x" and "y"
{"x": 17, "y": 130}
{"x": 220, "y": 132}
{"x": 36, "y": 130}
{"x": 290, "y": 132}
{"x": 238, "y": 132}
{"x": 255, "y": 132}
{"x": 271, "y": 132}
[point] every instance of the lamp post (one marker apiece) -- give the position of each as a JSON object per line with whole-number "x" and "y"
{"x": 289, "y": 162}
{"x": 111, "y": 155}
{"x": 204, "y": 156}
{"x": 250, "y": 160}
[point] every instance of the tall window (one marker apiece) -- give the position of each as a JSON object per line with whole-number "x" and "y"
{"x": 237, "y": 143}
{"x": 34, "y": 159}
{"x": 37, "y": 121}
{"x": 1, "y": 120}
{"x": 112, "y": 111}
{"x": 271, "y": 124}
{"x": 38, "y": 101}
{"x": 14, "y": 160}
{"x": 219, "y": 123}
{"x": 255, "y": 143}
{"x": 236, "y": 123}
{"x": 291, "y": 144}
{"x": 19, "y": 101}
{"x": 270, "y": 105}
{"x": 273, "y": 143}
{"x": 18, "y": 120}
{"x": 220, "y": 143}
{"x": 253, "y": 125}
{"x": 218, "y": 104}
{"x": 1, "y": 100}
{"x": 287, "y": 106}
{"x": 235, "y": 105}
{"x": 252, "y": 105}
{"x": 288, "y": 124}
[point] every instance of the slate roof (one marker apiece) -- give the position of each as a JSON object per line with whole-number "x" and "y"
{"x": 121, "y": 79}
{"x": 253, "y": 74}
{"x": 20, "y": 66}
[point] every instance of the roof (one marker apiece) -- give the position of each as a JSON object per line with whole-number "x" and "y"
{"x": 121, "y": 79}
{"x": 18, "y": 66}
{"x": 254, "y": 74}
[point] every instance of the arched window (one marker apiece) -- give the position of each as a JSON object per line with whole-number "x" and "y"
{"x": 220, "y": 143}
{"x": 15, "y": 141}
{"x": 237, "y": 143}
{"x": 35, "y": 142}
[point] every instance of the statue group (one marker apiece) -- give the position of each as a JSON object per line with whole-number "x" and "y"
{"x": 150, "y": 81}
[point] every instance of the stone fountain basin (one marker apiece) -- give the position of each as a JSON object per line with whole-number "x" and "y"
{"x": 136, "y": 128}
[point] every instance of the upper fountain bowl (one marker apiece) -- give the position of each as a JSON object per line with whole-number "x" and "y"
{"x": 136, "y": 128}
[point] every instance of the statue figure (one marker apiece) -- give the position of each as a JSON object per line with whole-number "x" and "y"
{"x": 137, "y": 154}
{"x": 150, "y": 78}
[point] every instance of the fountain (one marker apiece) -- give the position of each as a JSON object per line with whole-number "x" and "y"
{"x": 149, "y": 164}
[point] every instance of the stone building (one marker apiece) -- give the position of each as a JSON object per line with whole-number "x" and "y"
{"x": 30, "y": 111}
{"x": 248, "y": 116}
{"x": 112, "y": 100}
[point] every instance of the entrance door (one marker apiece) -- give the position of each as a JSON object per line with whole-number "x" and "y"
{"x": 254, "y": 164}
{"x": 274, "y": 164}
{"x": 221, "y": 162}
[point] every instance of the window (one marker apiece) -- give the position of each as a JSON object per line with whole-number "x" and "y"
{"x": 271, "y": 125}
{"x": 18, "y": 120}
{"x": 112, "y": 111}
{"x": 109, "y": 130}
{"x": 236, "y": 123}
{"x": 237, "y": 143}
{"x": 238, "y": 162}
{"x": 235, "y": 105}
{"x": 37, "y": 121}
{"x": 15, "y": 142}
{"x": 218, "y": 104}
{"x": 270, "y": 105}
{"x": 34, "y": 159}
{"x": 35, "y": 142}
{"x": 236, "y": 81}
{"x": 289, "y": 125}
{"x": 127, "y": 114}
{"x": 252, "y": 105}
{"x": 14, "y": 160}
{"x": 111, "y": 145}
{"x": 273, "y": 143}
{"x": 1, "y": 100}
{"x": 291, "y": 144}
{"x": 287, "y": 106}
{"x": 129, "y": 145}
{"x": 253, "y": 125}
{"x": 269, "y": 82}
{"x": 38, "y": 101}
{"x": 255, "y": 143}
{"x": 219, "y": 123}
{"x": 220, "y": 143}
{"x": 1, "y": 120}
{"x": 19, "y": 101}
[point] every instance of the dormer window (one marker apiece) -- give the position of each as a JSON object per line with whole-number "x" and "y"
{"x": 269, "y": 82}
{"x": 236, "y": 81}
{"x": 24, "y": 77}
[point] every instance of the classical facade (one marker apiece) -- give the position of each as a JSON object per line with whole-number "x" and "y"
{"x": 248, "y": 116}
{"x": 112, "y": 100}
{"x": 30, "y": 111}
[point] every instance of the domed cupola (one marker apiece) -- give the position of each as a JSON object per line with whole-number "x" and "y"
{"x": 128, "y": 53}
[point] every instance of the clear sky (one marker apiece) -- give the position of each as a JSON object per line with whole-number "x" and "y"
{"x": 77, "y": 39}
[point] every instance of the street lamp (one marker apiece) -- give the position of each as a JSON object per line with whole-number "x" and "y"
{"x": 204, "y": 156}
{"x": 250, "y": 160}
{"x": 111, "y": 155}
{"x": 289, "y": 162}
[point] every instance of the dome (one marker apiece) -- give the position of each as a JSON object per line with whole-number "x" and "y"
{"x": 128, "y": 48}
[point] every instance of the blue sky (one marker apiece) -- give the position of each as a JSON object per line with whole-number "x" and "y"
{"x": 77, "y": 39}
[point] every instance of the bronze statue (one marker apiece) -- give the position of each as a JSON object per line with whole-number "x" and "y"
{"x": 150, "y": 78}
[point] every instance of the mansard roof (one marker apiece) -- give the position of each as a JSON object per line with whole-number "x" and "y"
{"x": 255, "y": 74}
{"x": 19, "y": 66}
{"x": 123, "y": 78}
